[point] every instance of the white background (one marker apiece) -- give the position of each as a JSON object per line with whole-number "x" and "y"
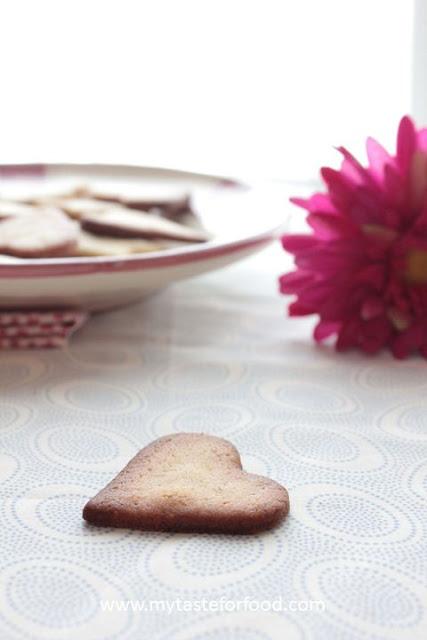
{"x": 250, "y": 87}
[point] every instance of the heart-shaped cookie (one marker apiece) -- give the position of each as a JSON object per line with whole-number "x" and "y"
{"x": 189, "y": 482}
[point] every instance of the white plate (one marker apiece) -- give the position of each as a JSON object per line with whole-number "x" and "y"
{"x": 242, "y": 220}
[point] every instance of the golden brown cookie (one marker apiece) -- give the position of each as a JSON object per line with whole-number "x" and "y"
{"x": 10, "y": 209}
{"x": 189, "y": 482}
{"x": 171, "y": 202}
{"x": 125, "y": 223}
{"x": 43, "y": 233}
{"x": 78, "y": 208}
{"x": 91, "y": 245}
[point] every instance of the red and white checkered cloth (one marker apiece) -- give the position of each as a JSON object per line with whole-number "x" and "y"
{"x": 38, "y": 329}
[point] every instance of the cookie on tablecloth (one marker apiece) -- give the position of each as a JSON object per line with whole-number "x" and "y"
{"x": 189, "y": 482}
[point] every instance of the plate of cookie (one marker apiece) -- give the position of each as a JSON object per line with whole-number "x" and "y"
{"x": 94, "y": 237}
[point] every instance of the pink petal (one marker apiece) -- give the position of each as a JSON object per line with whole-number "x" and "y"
{"x": 357, "y": 201}
{"x": 317, "y": 202}
{"x": 371, "y": 308}
{"x": 422, "y": 139}
{"x": 371, "y": 346}
{"x": 394, "y": 187}
{"x": 374, "y": 334}
{"x": 329, "y": 226}
{"x": 348, "y": 336}
{"x": 300, "y": 202}
{"x": 418, "y": 179}
{"x": 292, "y": 282}
{"x": 299, "y": 309}
{"x": 366, "y": 205}
{"x": 340, "y": 188}
{"x": 321, "y": 202}
{"x": 348, "y": 170}
{"x": 334, "y": 256}
{"x": 324, "y": 330}
{"x": 406, "y": 143}
{"x": 378, "y": 159}
{"x": 342, "y": 303}
{"x": 420, "y": 226}
{"x": 407, "y": 342}
{"x": 298, "y": 242}
{"x": 353, "y": 169}
{"x": 315, "y": 294}
{"x": 373, "y": 275}
{"x": 325, "y": 264}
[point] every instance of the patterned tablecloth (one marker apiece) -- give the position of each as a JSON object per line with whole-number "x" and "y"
{"x": 346, "y": 434}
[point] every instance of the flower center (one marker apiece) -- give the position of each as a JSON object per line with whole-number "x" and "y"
{"x": 416, "y": 266}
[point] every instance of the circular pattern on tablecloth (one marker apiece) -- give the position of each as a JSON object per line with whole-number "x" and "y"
{"x": 54, "y": 511}
{"x": 53, "y": 599}
{"x": 392, "y": 376}
{"x": 314, "y": 399}
{"x": 215, "y": 418}
{"x": 17, "y": 369}
{"x": 84, "y": 448}
{"x": 406, "y": 421}
{"x": 326, "y": 448}
{"x": 89, "y": 354}
{"x": 207, "y": 562}
{"x": 352, "y": 515}
{"x": 13, "y": 416}
{"x": 9, "y": 467}
{"x": 371, "y": 597}
{"x": 96, "y": 397}
{"x": 199, "y": 376}
{"x": 417, "y": 480}
{"x": 241, "y": 625}
{"x": 225, "y": 632}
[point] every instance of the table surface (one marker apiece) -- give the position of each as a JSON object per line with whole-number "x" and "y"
{"x": 346, "y": 434}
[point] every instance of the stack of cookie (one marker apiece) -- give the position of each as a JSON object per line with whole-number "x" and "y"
{"x": 84, "y": 222}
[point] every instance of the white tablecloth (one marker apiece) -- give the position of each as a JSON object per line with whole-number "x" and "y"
{"x": 346, "y": 434}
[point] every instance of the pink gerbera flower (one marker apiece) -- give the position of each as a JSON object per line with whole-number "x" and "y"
{"x": 363, "y": 269}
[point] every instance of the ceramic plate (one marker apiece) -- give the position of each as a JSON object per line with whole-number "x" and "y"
{"x": 242, "y": 219}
